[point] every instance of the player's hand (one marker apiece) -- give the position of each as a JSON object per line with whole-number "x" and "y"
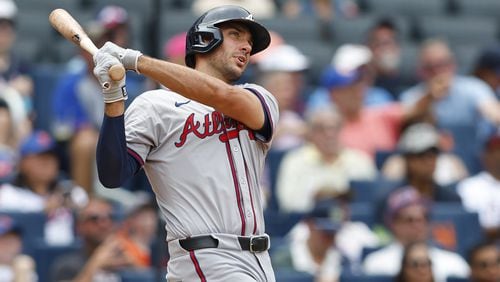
{"x": 112, "y": 91}
{"x": 128, "y": 57}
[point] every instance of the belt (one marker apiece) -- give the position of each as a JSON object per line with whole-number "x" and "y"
{"x": 254, "y": 244}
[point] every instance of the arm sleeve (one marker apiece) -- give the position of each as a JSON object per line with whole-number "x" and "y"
{"x": 114, "y": 164}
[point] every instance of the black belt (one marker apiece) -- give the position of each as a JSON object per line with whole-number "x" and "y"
{"x": 253, "y": 244}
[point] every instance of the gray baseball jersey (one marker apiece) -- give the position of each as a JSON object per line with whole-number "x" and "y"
{"x": 203, "y": 167}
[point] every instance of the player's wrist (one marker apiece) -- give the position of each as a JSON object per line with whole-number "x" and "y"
{"x": 115, "y": 94}
{"x": 130, "y": 58}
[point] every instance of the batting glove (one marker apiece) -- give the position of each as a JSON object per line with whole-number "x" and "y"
{"x": 113, "y": 91}
{"x": 128, "y": 57}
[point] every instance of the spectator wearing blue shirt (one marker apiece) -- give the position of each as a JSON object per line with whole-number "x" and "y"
{"x": 350, "y": 59}
{"x": 77, "y": 102}
{"x": 460, "y": 104}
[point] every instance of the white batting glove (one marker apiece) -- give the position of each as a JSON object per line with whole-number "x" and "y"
{"x": 128, "y": 57}
{"x": 113, "y": 91}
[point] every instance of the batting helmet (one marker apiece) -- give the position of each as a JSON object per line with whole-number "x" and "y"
{"x": 206, "y": 25}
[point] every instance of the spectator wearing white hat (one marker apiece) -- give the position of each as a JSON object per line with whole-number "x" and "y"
{"x": 417, "y": 139}
{"x": 281, "y": 71}
{"x": 347, "y": 81}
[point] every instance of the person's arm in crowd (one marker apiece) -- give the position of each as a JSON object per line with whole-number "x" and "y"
{"x": 108, "y": 256}
{"x": 435, "y": 89}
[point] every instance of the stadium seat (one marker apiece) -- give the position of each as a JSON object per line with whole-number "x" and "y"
{"x": 278, "y": 224}
{"x": 457, "y": 279}
{"x": 381, "y": 157}
{"x": 362, "y": 212}
{"x": 365, "y": 278}
{"x": 45, "y": 78}
{"x": 308, "y": 29}
{"x": 458, "y": 30}
{"x": 45, "y": 255}
{"x": 480, "y": 8}
{"x": 174, "y": 22}
{"x": 408, "y": 8}
{"x": 466, "y": 56}
{"x": 367, "y": 190}
{"x": 290, "y": 275}
{"x": 466, "y": 224}
{"x": 355, "y": 30}
{"x": 32, "y": 225}
{"x": 273, "y": 161}
{"x": 146, "y": 275}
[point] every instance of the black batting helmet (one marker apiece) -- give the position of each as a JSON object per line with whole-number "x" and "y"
{"x": 207, "y": 24}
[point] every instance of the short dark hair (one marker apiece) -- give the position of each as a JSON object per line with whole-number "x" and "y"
{"x": 477, "y": 248}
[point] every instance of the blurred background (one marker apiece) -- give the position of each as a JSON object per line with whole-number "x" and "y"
{"x": 389, "y": 138}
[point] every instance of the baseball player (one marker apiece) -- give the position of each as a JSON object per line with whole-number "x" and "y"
{"x": 202, "y": 142}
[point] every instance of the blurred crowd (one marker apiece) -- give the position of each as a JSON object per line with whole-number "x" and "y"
{"x": 374, "y": 170}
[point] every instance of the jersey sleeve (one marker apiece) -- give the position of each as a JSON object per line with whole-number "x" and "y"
{"x": 271, "y": 112}
{"x": 141, "y": 127}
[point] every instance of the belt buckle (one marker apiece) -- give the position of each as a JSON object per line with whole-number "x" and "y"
{"x": 259, "y": 243}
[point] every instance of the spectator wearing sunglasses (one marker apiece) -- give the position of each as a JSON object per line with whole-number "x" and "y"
{"x": 407, "y": 217}
{"x": 484, "y": 261}
{"x": 416, "y": 265}
{"x": 463, "y": 105}
{"x": 101, "y": 255}
{"x": 424, "y": 160}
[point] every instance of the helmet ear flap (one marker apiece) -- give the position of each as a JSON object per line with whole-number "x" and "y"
{"x": 202, "y": 40}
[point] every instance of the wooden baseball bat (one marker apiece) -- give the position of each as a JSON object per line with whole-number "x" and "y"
{"x": 68, "y": 27}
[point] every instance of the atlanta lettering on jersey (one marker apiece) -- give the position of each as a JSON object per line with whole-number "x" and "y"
{"x": 214, "y": 123}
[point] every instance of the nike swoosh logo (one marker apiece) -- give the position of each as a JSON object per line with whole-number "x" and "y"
{"x": 178, "y": 104}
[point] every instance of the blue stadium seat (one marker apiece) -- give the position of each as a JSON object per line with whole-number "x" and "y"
{"x": 32, "y": 225}
{"x": 408, "y": 8}
{"x": 45, "y": 78}
{"x": 290, "y": 275}
{"x": 147, "y": 275}
{"x": 273, "y": 161}
{"x": 480, "y": 8}
{"x": 368, "y": 190}
{"x": 365, "y": 278}
{"x": 356, "y": 30}
{"x": 45, "y": 255}
{"x": 381, "y": 156}
{"x": 467, "y": 227}
{"x": 363, "y": 212}
{"x": 457, "y": 279}
{"x": 458, "y": 29}
{"x": 278, "y": 224}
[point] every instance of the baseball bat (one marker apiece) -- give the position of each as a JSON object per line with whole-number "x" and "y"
{"x": 68, "y": 27}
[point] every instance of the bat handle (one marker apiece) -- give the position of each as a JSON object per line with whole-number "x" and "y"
{"x": 116, "y": 73}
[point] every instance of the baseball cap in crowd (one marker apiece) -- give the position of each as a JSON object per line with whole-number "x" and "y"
{"x": 112, "y": 16}
{"x": 490, "y": 59}
{"x": 8, "y": 225}
{"x": 283, "y": 58}
{"x": 37, "y": 143}
{"x": 8, "y": 10}
{"x": 418, "y": 138}
{"x": 402, "y": 198}
{"x": 327, "y": 215}
{"x": 344, "y": 68}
